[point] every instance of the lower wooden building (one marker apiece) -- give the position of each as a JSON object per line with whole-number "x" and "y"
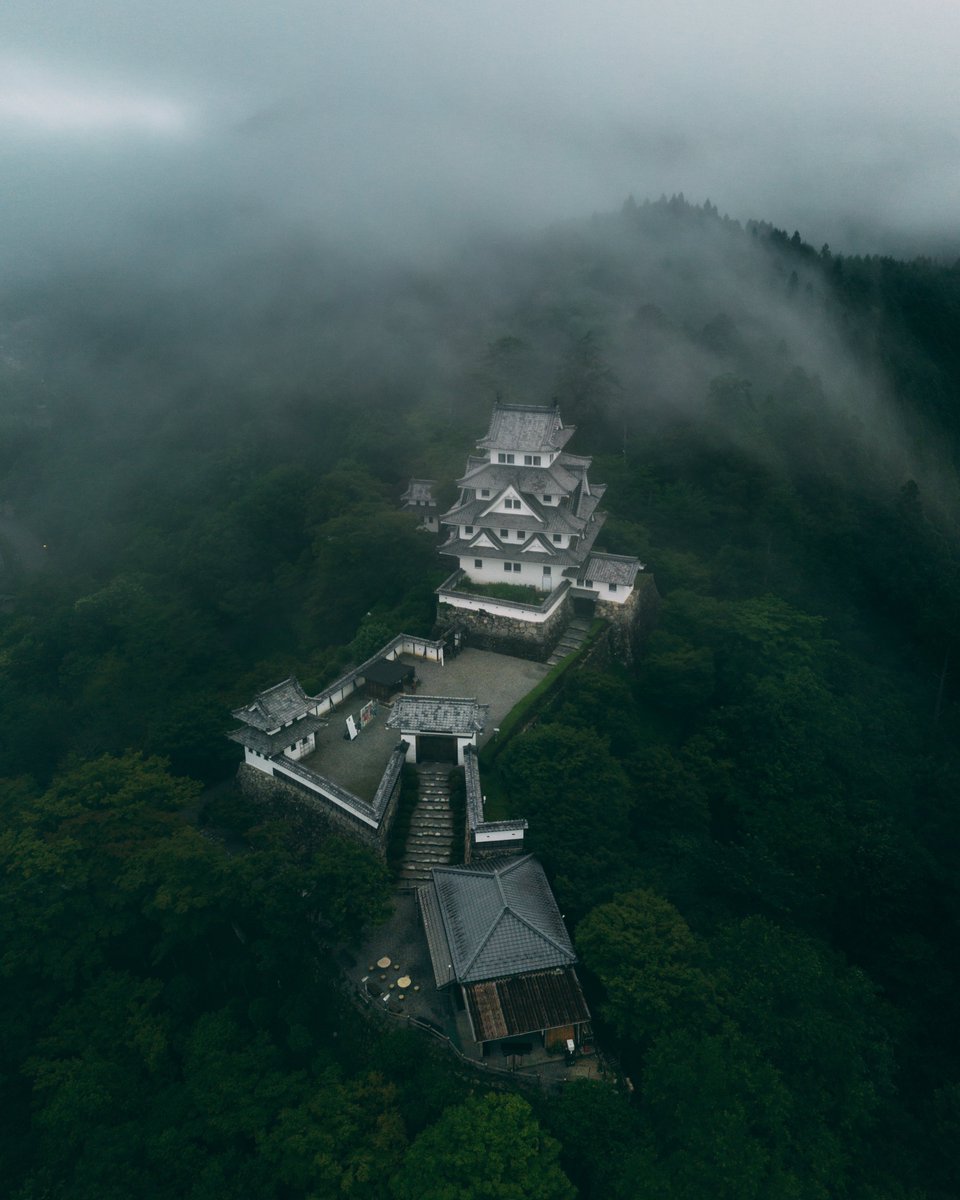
{"x": 494, "y": 932}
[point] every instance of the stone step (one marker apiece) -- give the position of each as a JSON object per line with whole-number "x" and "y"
{"x": 432, "y": 821}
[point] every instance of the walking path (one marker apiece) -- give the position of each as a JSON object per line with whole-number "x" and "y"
{"x": 430, "y": 841}
{"x": 571, "y": 639}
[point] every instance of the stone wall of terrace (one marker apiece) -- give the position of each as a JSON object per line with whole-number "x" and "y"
{"x": 505, "y": 626}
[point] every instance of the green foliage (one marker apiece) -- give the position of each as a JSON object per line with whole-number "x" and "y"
{"x": 576, "y": 798}
{"x": 518, "y": 593}
{"x": 523, "y": 710}
{"x": 644, "y": 955}
{"x": 754, "y": 830}
{"x": 490, "y": 1146}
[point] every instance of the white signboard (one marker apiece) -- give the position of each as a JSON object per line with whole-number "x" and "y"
{"x": 351, "y": 727}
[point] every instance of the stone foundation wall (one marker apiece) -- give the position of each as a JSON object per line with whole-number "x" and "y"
{"x": 507, "y": 635}
{"x": 631, "y": 623}
{"x": 283, "y": 796}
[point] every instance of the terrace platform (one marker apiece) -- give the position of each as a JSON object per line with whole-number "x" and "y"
{"x": 499, "y": 680}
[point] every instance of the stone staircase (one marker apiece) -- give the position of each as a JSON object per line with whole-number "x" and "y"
{"x": 430, "y": 842}
{"x": 571, "y": 639}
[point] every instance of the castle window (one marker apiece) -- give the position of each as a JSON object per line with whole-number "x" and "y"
{"x": 468, "y": 529}
{"x": 557, "y": 537}
{"x": 548, "y": 570}
{"x": 501, "y": 458}
{"x": 484, "y": 493}
{"x": 521, "y": 534}
{"x": 531, "y": 460}
{"x": 612, "y": 587}
{"x": 504, "y": 533}
{"x": 508, "y": 566}
{"x": 508, "y": 503}
{"x": 477, "y": 563}
{"x": 547, "y": 499}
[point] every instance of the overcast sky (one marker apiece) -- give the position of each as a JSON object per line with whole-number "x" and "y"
{"x": 417, "y": 120}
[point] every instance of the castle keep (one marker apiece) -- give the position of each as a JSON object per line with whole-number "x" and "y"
{"x": 528, "y": 515}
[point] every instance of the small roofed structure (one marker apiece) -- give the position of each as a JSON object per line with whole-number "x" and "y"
{"x": 387, "y": 676}
{"x": 418, "y": 499}
{"x": 438, "y": 728}
{"x": 494, "y": 930}
{"x": 280, "y": 720}
{"x": 610, "y": 576}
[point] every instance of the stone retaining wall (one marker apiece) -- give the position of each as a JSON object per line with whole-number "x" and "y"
{"x": 284, "y": 792}
{"x": 507, "y": 635}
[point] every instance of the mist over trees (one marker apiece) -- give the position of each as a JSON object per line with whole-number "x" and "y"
{"x": 201, "y": 453}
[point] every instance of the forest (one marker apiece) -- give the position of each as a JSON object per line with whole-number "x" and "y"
{"x": 200, "y": 471}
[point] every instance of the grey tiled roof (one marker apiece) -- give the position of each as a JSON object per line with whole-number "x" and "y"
{"x": 440, "y": 957}
{"x": 555, "y": 480}
{"x": 525, "y": 427}
{"x": 500, "y": 919}
{"x": 419, "y": 489}
{"x": 553, "y": 518}
{"x": 461, "y": 717}
{"x": 557, "y": 556}
{"x": 274, "y": 743}
{"x": 611, "y": 568}
{"x": 277, "y": 706}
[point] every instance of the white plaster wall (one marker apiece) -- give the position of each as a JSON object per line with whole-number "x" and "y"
{"x": 302, "y": 748}
{"x": 512, "y": 835}
{"x": 488, "y": 604}
{"x": 602, "y": 592}
{"x": 492, "y": 571}
{"x": 255, "y": 760}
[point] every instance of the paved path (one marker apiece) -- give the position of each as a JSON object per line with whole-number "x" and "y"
{"x": 571, "y": 639}
{"x": 430, "y": 841}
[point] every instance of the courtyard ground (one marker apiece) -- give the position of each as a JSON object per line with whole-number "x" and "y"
{"x": 499, "y": 680}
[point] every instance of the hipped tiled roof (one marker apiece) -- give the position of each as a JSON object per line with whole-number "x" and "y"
{"x": 500, "y": 918}
{"x": 611, "y": 568}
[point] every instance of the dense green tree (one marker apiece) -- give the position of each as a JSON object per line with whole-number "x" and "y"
{"x": 490, "y": 1146}
{"x": 645, "y": 957}
{"x": 577, "y": 800}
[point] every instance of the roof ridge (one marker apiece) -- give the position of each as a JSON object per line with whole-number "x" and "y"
{"x": 540, "y": 932}
{"x": 486, "y": 938}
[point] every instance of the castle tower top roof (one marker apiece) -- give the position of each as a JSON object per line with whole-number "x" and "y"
{"x": 526, "y": 427}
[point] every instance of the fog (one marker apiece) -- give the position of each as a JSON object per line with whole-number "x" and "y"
{"x": 268, "y": 205}
{"x": 401, "y": 128}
